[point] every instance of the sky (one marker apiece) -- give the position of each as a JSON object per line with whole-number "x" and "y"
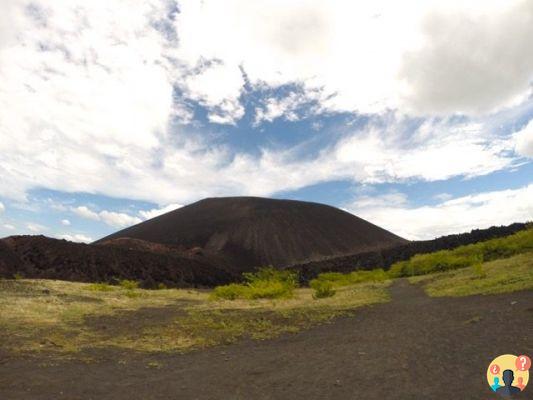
{"x": 414, "y": 115}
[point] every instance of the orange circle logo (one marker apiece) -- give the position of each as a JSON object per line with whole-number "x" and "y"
{"x": 508, "y": 374}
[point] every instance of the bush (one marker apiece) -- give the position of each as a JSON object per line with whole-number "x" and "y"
{"x": 100, "y": 287}
{"x": 266, "y": 283}
{"x": 465, "y": 256}
{"x": 322, "y": 289}
{"x": 271, "y": 274}
{"x": 336, "y": 279}
{"x": 479, "y": 271}
{"x": 232, "y": 291}
{"x": 128, "y": 284}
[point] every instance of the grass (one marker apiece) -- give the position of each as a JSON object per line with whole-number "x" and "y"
{"x": 465, "y": 256}
{"x": 266, "y": 283}
{"x": 322, "y": 289}
{"x": 494, "y": 277}
{"x": 66, "y": 318}
{"x": 337, "y": 279}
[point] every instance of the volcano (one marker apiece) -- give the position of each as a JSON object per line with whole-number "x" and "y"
{"x": 252, "y": 231}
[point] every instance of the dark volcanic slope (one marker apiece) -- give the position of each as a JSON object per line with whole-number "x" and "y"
{"x": 384, "y": 258}
{"x": 9, "y": 261}
{"x": 252, "y": 231}
{"x": 47, "y": 258}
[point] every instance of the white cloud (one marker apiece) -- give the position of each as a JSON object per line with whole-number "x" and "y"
{"x": 115, "y": 219}
{"x": 65, "y": 222}
{"x": 443, "y": 196}
{"x": 77, "y": 237}
{"x": 85, "y": 212}
{"x": 2, "y": 207}
{"x": 118, "y": 219}
{"x": 155, "y": 212}
{"x": 287, "y": 107}
{"x": 524, "y": 140}
{"x": 473, "y": 61}
{"x": 9, "y": 227}
{"x": 452, "y": 216}
{"x": 219, "y": 88}
{"x": 36, "y": 228}
{"x": 437, "y": 150}
{"x": 87, "y": 99}
{"x": 434, "y": 56}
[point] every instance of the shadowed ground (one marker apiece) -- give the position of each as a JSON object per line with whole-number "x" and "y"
{"x": 414, "y": 347}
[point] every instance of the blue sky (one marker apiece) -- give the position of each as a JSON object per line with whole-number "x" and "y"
{"x": 411, "y": 116}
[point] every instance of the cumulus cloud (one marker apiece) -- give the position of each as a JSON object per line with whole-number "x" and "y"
{"x": 36, "y": 228}
{"x": 115, "y": 219}
{"x": 218, "y": 87}
{"x": 524, "y": 140}
{"x": 76, "y": 237}
{"x": 87, "y": 99}
{"x": 85, "y": 212}
{"x": 65, "y": 222}
{"x": 455, "y": 215}
{"x": 118, "y": 219}
{"x": 294, "y": 106}
{"x": 2, "y": 207}
{"x": 473, "y": 61}
{"x": 437, "y": 57}
{"x": 155, "y": 212}
{"x": 434, "y": 151}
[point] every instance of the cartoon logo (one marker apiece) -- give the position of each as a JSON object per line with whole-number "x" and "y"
{"x": 508, "y": 374}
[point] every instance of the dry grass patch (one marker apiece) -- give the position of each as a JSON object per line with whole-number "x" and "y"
{"x": 500, "y": 276}
{"x": 66, "y": 318}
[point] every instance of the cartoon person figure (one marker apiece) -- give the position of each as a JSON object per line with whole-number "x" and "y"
{"x": 496, "y": 383}
{"x": 520, "y": 383}
{"x": 508, "y": 389}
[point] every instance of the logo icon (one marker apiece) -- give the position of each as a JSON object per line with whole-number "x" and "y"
{"x": 508, "y": 374}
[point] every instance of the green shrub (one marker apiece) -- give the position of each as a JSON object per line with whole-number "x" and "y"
{"x": 232, "y": 291}
{"x": 161, "y": 286}
{"x": 322, "y": 289}
{"x": 465, "y": 256}
{"x": 271, "y": 274}
{"x": 479, "y": 271}
{"x": 128, "y": 284}
{"x": 266, "y": 283}
{"x": 269, "y": 290}
{"x": 18, "y": 276}
{"x": 336, "y": 279}
{"x": 100, "y": 287}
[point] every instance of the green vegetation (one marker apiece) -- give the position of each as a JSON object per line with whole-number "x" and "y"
{"x": 465, "y": 256}
{"x": 499, "y": 276}
{"x": 64, "y": 318}
{"x": 325, "y": 283}
{"x": 337, "y": 279}
{"x": 128, "y": 284}
{"x": 266, "y": 283}
{"x": 100, "y": 287}
{"x": 322, "y": 289}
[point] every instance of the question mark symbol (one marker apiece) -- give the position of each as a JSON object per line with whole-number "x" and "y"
{"x": 523, "y": 363}
{"x": 495, "y": 369}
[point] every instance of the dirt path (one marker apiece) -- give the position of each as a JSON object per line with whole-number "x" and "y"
{"x": 414, "y": 347}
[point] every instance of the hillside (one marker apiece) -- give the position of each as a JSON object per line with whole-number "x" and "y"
{"x": 252, "y": 231}
{"x": 384, "y": 258}
{"x": 43, "y": 257}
